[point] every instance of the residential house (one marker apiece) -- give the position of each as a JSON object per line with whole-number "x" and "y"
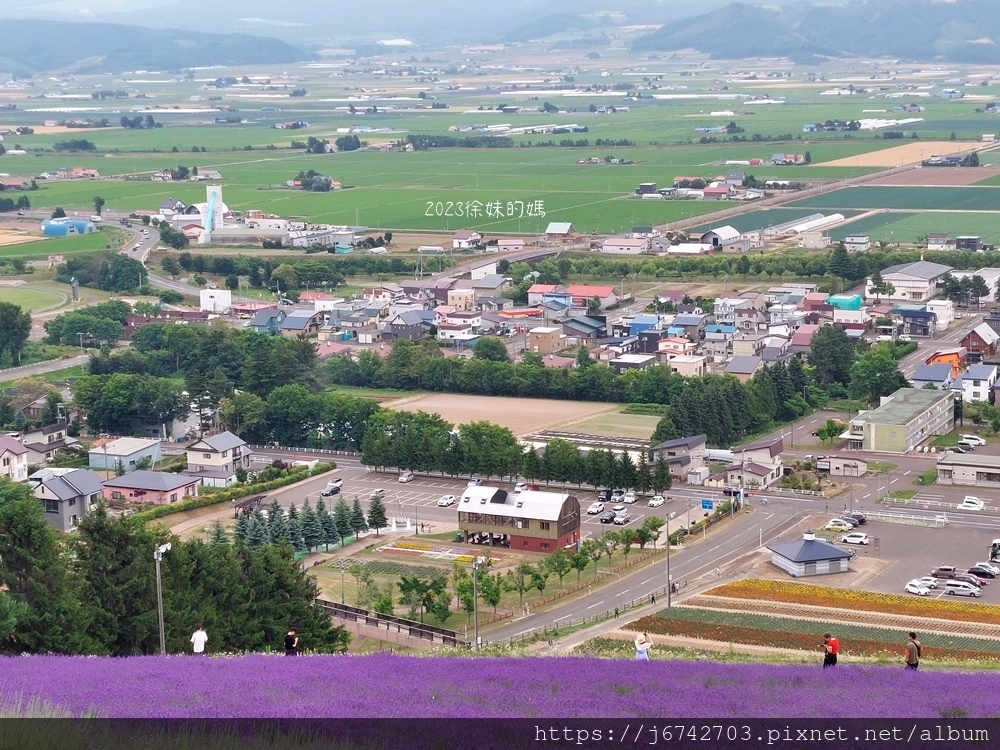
{"x": 66, "y": 495}
{"x": 509, "y": 245}
{"x": 13, "y": 459}
{"x": 914, "y": 320}
{"x": 626, "y": 362}
{"x": 462, "y": 298}
{"x": 857, "y": 243}
{"x": 939, "y": 241}
{"x": 717, "y": 192}
{"x": 127, "y": 453}
{"x": 743, "y": 367}
{"x": 813, "y": 301}
{"x": 490, "y": 285}
{"x": 718, "y": 342}
{"x": 214, "y": 459}
{"x": 642, "y": 322}
{"x": 306, "y": 322}
{"x": 673, "y": 296}
{"x": 904, "y": 420}
{"x": 559, "y": 363}
{"x": 546, "y": 340}
{"x": 537, "y": 293}
{"x": 582, "y": 294}
{"x": 681, "y": 454}
{"x": 692, "y": 326}
{"x": 938, "y": 376}
{"x": 735, "y": 178}
{"x": 779, "y": 313}
{"x": 642, "y": 233}
{"x": 267, "y": 321}
{"x": 913, "y": 282}
{"x": 625, "y": 245}
{"x": 726, "y": 239}
{"x": 968, "y": 242}
{"x": 725, "y": 308}
{"x": 674, "y": 346}
{"x": 981, "y": 342}
{"x": 976, "y": 383}
{"x": 688, "y": 365}
{"x": 156, "y": 487}
{"x": 561, "y": 232}
{"x": 410, "y": 325}
{"x": 802, "y": 338}
{"x": 586, "y": 328}
{"x": 43, "y": 442}
{"x": 171, "y": 206}
{"x": 466, "y": 239}
{"x": 957, "y": 358}
{"x": 758, "y": 465}
{"x": 749, "y": 343}
{"x": 775, "y": 349}
{"x": 750, "y": 319}
{"x": 944, "y": 312}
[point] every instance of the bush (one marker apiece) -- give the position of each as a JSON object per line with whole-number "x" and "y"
{"x": 214, "y": 496}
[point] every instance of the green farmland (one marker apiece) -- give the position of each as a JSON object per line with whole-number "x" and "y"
{"x": 42, "y": 248}
{"x": 907, "y": 198}
{"x": 910, "y": 227}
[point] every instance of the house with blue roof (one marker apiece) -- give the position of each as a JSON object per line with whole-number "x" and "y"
{"x": 976, "y": 383}
{"x": 938, "y": 375}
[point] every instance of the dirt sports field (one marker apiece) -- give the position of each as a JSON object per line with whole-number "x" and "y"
{"x": 910, "y": 153}
{"x": 521, "y": 415}
{"x": 933, "y": 176}
{"x": 14, "y": 237}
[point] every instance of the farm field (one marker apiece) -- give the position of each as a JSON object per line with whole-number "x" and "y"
{"x": 940, "y": 176}
{"x": 38, "y": 247}
{"x": 906, "y": 154}
{"x": 616, "y": 424}
{"x": 520, "y": 415}
{"x": 903, "y": 226}
{"x": 765, "y": 217}
{"x": 912, "y": 198}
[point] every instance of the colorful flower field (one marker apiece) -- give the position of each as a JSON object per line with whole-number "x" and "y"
{"x": 869, "y": 601}
{"x": 384, "y": 685}
{"x": 805, "y": 635}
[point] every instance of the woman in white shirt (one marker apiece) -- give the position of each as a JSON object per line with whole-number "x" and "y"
{"x": 642, "y": 646}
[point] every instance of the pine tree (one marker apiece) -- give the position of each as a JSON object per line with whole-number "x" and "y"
{"x": 277, "y": 525}
{"x": 312, "y": 530}
{"x": 330, "y": 535}
{"x": 241, "y": 529}
{"x": 358, "y": 523}
{"x": 295, "y": 535}
{"x": 376, "y": 515}
{"x": 257, "y": 533}
{"x": 293, "y": 512}
{"x": 342, "y": 518}
{"x": 217, "y": 534}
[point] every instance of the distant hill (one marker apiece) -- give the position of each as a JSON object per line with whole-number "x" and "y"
{"x": 32, "y": 46}
{"x": 959, "y": 31}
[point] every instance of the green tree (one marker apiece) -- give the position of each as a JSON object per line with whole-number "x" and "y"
{"x": 875, "y": 374}
{"x": 376, "y": 515}
{"x": 98, "y": 204}
{"x": 342, "y": 518}
{"x": 579, "y": 561}
{"x": 831, "y": 354}
{"x": 490, "y": 348}
{"x": 610, "y": 543}
{"x": 358, "y": 522}
{"x": 594, "y": 549}
{"x": 662, "y": 480}
{"x": 521, "y": 580}
{"x": 15, "y": 327}
{"x": 558, "y": 563}
{"x": 840, "y": 264}
{"x": 312, "y": 529}
{"x": 653, "y": 524}
{"x": 830, "y": 431}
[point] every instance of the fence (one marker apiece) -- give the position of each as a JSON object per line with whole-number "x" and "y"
{"x": 790, "y": 491}
{"x": 903, "y": 519}
{"x": 311, "y": 451}
{"x": 392, "y": 623}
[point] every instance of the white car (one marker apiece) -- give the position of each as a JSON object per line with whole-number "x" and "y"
{"x": 596, "y": 508}
{"x": 445, "y": 500}
{"x": 630, "y": 497}
{"x": 656, "y": 501}
{"x": 406, "y": 476}
{"x": 856, "y": 537}
{"x": 915, "y": 587}
{"x": 622, "y": 518}
{"x": 520, "y": 487}
{"x": 927, "y": 581}
{"x": 989, "y": 566}
{"x": 971, "y": 503}
{"x": 475, "y": 482}
{"x": 904, "y": 338}
{"x": 974, "y": 439}
{"x": 376, "y": 494}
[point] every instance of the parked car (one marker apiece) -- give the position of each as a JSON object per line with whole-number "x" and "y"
{"x": 860, "y": 517}
{"x": 616, "y": 496}
{"x": 961, "y": 588}
{"x": 445, "y": 500}
{"x": 520, "y": 487}
{"x": 988, "y": 566}
{"x": 929, "y": 581}
{"x": 971, "y": 503}
{"x": 406, "y": 476}
{"x": 619, "y": 509}
{"x": 475, "y": 482}
{"x": 656, "y": 501}
{"x": 966, "y": 446}
{"x": 974, "y": 439}
{"x": 376, "y": 494}
{"x": 622, "y": 518}
{"x": 595, "y": 508}
{"x": 969, "y": 578}
{"x": 333, "y": 487}
{"x": 629, "y": 497}
{"x": 838, "y": 524}
{"x": 915, "y": 587}
{"x": 945, "y": 571}
{"x": 609, "y": 517}
{"x": 980, "y": 572}
{"x": 905, "y": 338}
{"x": 856, "y": 537}
{"x": 851, "y": 520}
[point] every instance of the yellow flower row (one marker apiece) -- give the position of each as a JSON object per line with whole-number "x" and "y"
{"x": 872, "y": 601}
{"x": 413, "y": 545}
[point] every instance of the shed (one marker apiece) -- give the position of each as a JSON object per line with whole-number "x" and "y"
{"x": 809, "y": 556}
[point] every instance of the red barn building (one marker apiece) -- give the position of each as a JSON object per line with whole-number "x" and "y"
{"x": 532, "y": 520}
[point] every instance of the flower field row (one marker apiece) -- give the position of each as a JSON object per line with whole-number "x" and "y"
{"x": 872, "y": 601}
{"x": 566, "y": 687}
{"x": 410, "y": 545}
{"x": 848, "y": 634}
{"x": 732, "y": 633}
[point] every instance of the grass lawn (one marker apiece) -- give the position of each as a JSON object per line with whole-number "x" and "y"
{"x": 57, "y": 376}
{"x": 926, "y": 478}
{"x": 945, "y": 441}
{"x": 616, "y": 424}
{"x": 902, "y": 494}
{"x": 882, "y": 466}
{"x": 42, "y": 248}
{"x": 32, "y": 300}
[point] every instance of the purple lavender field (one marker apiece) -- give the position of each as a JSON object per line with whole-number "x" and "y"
{"x": 384, "y": 685}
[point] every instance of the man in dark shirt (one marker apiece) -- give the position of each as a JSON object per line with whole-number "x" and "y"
{"x": 291, "y": 643}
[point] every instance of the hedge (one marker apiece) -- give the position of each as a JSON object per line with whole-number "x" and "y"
{"x": 215, "y": 498}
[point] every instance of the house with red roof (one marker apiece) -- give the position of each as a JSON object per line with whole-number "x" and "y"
{"x": 466, "y": 239}
{"x": 583, "y": 293}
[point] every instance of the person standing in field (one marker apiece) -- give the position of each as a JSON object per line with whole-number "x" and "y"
{"x": 291, "y": 643}
{"x": 198, "y": 640}
{"x": 912, "y": 652}
{"x": 831, "y": 647}
{"x": 642, "y": 646}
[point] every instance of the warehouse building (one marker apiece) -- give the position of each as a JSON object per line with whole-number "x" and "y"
{"x": 904, "y": 420}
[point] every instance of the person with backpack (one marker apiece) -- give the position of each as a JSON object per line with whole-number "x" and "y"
{"x": 913, "y": 652}
{"x": 831, "y": 647}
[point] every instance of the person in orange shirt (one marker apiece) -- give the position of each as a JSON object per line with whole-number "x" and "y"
{"x": 831, "y": 647}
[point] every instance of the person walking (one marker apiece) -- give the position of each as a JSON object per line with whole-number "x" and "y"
{"x": 831, "y": 647}
{"x": 291, "y": 643}
{"x": 642, "y": 646}
{"x": 912, "y": 652}
{"x": 198, "y": 640}
{"x": 616, "y": 613}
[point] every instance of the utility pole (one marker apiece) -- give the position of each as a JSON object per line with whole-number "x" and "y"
{"x": 157, "y": 556}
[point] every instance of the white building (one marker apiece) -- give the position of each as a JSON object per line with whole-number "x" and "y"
{"x": 976, "y": 383}
{"x": 13, "y": 459}
{"x": 215, "y": 300}
{"x": 913, "y": 282}
{"x": 857, "y": 243}
{"x": 944, "y": 309}
{"x": 625, "y": 245}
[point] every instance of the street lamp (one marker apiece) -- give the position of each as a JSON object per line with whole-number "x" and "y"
{"x": 477, "y": 563}
{"x": 157, "y": 556}
{"x": 81, "y": 334}
{"x": 669, "y": 579}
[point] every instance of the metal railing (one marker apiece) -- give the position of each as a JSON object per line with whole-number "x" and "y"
{"x": 391, "y": 623}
